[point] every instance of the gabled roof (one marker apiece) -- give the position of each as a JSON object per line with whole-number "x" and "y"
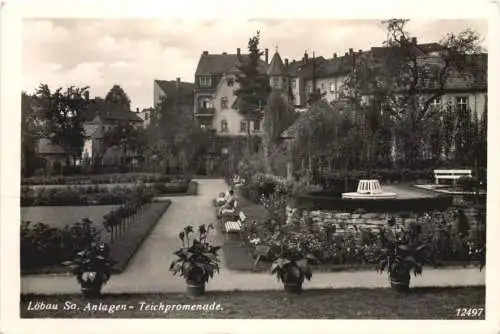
{"x": 222, "y": 63}
{"x": 170, "y": 87}
{"x": 276, "y": 67}
{"x": 109, "y": 112}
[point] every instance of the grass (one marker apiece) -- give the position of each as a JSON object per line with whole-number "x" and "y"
{"x": 419, "y": 303}
{"x": 123, "y": 249}
{"x": 58, "y": 216}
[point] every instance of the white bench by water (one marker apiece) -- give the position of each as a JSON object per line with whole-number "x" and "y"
{"x": 451, "y": 174}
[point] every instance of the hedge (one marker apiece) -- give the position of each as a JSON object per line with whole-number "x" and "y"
{"x": 102, "y": 179}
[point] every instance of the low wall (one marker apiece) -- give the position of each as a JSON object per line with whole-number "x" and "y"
{"x": 345, "y": 221}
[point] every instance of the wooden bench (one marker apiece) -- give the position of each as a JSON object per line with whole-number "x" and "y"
{"x": 451, "y": 174}
{"x": 235, "y": 226}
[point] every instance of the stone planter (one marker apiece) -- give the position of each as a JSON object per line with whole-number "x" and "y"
{"x": 195, "y": 288}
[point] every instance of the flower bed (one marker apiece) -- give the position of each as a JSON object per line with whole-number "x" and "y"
{"x": 74, "y": 196}
{"x": 100, "y": 179}
{"x": 44, "y": 248}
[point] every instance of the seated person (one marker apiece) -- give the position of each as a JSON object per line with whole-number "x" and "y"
{"x": 230, "y": 200}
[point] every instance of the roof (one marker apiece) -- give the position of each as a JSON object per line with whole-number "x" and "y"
{"x": 170, "y": 87}
{"x": 222, "y": 63}
{"x": 294, "y": 68}
{"x": 109, "y": 112}
{"x": 276, "y": 67}
{"x": 45, "y": 146}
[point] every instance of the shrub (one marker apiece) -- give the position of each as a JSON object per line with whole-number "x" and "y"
{"x": 76, "y": 196}
{"x": 467, "y": 183}
{"x": 44, "y": 245}
{"x": 100, "y": 179}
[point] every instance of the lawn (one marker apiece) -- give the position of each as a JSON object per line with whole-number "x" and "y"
{"x": 420, "y": 303}
{"x": 122, "y": 249}
{"x": 58, "y": 216}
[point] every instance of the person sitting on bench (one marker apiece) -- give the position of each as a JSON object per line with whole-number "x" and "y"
{"x": 230, "y": 199}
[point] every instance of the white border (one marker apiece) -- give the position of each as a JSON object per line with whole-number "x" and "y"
{"x": 10, "y": 86}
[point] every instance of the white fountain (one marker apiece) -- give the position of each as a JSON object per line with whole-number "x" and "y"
{"x": 369, "y": 189}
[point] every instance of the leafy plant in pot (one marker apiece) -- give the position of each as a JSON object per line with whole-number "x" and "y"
{"x": 92, "y": 267}
{"x": 402, "y": 253}
{"x": 196, "y": 261}
{"x": 292, "y": 266}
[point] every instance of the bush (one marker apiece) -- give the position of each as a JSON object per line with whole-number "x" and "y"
{"x": 75, "y": 196}
{"x": 101, "y": 178}
{"x": 42, "y": 245}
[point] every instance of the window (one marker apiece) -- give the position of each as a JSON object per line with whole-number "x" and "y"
{"x": 462, "y": 103}
{"x": 294, "y": 84}
{"x": 207, "y": 104}
{"x": 230, "y": 82}
{"x": 205, "y": 81}
{"x": 223, "y": 126}
{"x": 146, "y": 116}
{"x": 332, "y": 86}
{"x": 243, "y": 126}
{"x": 223, "y": 103}
{"x": 322, "y": 86}
{"x": 310, "y": 88}
{"x": 275, "y": 82}
{"x": 256, "y": 125}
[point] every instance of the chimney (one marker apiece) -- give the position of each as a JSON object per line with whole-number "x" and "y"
{"x": 346, "y": 54}
{"x": 293, "y": 61}
{"x": 334, "y": 55}
{"x": 414, "y": 40}
{"x": 360, "y": 51}
{"x": 87, "y": 96}
{"x": 178, "y": 83}
{"x": 351, "y": 50}
{"x": 286, "y": 62}
{"x": 306, "y": 57}
{"x": 224, "y": 53}
{"x": 205, "y": 53}
{"x": 137, "y": 109}
{"x": 238, "y": 51}
{"x": 266, "y": 55}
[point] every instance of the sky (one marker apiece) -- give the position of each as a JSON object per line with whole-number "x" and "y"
{"x": 134, "y": 52}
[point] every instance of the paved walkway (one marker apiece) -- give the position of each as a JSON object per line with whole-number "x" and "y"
{"x": 148, "y": 269}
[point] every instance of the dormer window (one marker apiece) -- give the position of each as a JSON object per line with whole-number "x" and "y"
{"x": 230, "y": 82}
{"x": 205, "y": 81}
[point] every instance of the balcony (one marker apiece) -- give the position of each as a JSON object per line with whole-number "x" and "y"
{"x": 205, "y": 112}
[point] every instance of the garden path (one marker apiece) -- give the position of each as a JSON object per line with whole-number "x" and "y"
{"x": 148, "y": 269}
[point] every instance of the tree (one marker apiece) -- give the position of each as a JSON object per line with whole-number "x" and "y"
{"x": 117, "y": 95}
{"x": 173, "y": 136}
{"x": 64, "y": 114}
{"x": 411, "y": 79}
{"x": 278, "y": 116}
{"x": 129, "y": 139}
{"x": 31, "y": 132}
{"x": 254, "y": 87}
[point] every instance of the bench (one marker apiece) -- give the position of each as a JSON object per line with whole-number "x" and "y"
{"x": 235, "y": 226}
{"x": 451, "y": 174}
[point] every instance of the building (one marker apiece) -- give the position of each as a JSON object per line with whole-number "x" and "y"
{"x": 102, "y": 117}
{"x": 145, "y": 115}
{"x": 174, "y": 89}
{"x": 214, "y": 98}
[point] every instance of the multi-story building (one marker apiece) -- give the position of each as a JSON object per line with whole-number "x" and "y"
{"x": 214, "y": 98}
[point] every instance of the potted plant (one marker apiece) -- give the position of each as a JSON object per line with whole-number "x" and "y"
{"x": 402, "y": 253}
{"x": 292, "y": 266}
{"x": 92, "y": 267}
{"x": 196, "y": 261}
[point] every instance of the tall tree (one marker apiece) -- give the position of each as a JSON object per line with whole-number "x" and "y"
{"x": 31, "y": 131}
{"x": 410, "y": 79}
{"x": 64, "y": 114}
{"x": 117, "y": 95}
{"x": 278, "y": 116}
{"x": 254, "y": 86}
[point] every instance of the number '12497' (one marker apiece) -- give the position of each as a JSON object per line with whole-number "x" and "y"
{"x": 469, "y": 312}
